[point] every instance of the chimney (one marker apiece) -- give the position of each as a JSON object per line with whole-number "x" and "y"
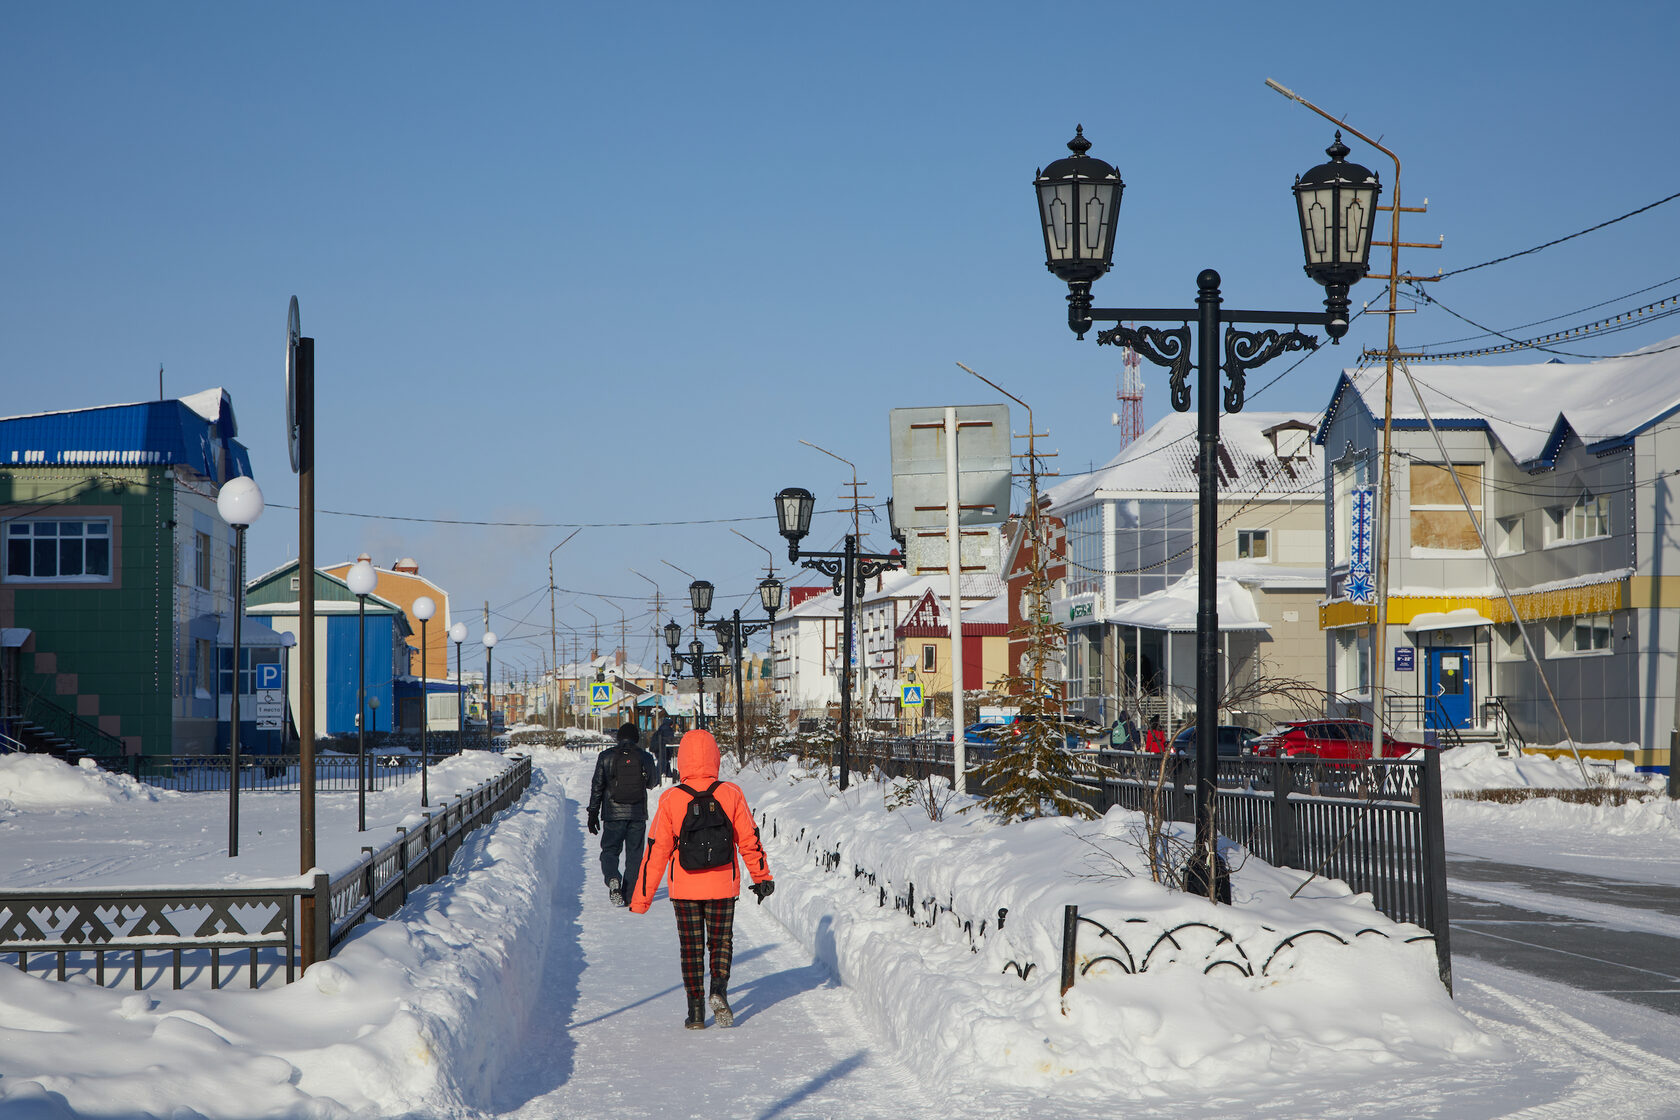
{"x": 407, "y": 566}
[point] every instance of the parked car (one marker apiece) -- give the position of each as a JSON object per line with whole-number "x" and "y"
{"x": 1081, "y": 732}
{"x": 1327, "y": 738}
{"x": 1233, "y": 742}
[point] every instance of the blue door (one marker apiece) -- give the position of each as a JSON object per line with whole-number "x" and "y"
{"x": 1447, "y": 688}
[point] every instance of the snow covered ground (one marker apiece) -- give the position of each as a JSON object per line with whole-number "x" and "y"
{"x": 511, "y": 988}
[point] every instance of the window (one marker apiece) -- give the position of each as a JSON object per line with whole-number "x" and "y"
{"x": 248, "y": 658}
{"x": 1508, "y": 534}
{"x": 201, "y": 557}
{"x": 1353, "y": 662}
{"x": 1589, "y": 517}
{"x": 1439, "y": 520}
{"x": 1254, "y": 544}
{"x": 59, "y": 550}
{"x": 204, "y": 677}
{"x": 929, "y": 658}
{"x": 1581, "y": 635}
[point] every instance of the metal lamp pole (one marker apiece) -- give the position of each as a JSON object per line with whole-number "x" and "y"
{"x": 458, "y": 634}
{"x": 850, "y": 569}
{"x": 424, "y": 608}
{"x": 240, "y": 503}
{"x": 361, "y": 579}
{"x": 489, "y": 707}
{"x": 1078, "y": 201}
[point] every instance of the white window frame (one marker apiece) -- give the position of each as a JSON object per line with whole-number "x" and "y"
{"x": 1563, "y": 638}
{"x": 1246, "y": 539}
{"x": 1509, "y": 536}
{"x": 105, "y": 530}
{"x": 1569, "y": 524}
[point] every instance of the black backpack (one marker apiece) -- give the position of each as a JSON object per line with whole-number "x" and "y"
{"x": 626, "y": 784}
{"x": 707, "y": 838}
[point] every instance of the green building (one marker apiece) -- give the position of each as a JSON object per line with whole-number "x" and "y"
{"x": 117, "y": 577}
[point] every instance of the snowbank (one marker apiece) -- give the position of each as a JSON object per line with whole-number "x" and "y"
{"x": 40, "y": 782}
{"x": 1357, "y": 993}
{"x": 410, "y": 1016}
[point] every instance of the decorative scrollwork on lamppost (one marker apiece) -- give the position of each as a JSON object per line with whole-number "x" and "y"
{"x": 850, "y": 570}
{"x": 1078, "y": 202}
{"x": 732, "y": 634}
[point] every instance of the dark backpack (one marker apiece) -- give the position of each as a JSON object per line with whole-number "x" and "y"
{"x": 707, "y": 838}
{"x": 626, "y": 784}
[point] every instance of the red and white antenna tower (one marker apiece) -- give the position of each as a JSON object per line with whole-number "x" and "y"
{"x": 1130, "y": 395}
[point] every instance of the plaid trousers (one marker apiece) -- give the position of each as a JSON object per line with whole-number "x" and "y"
{"x": 703, "y": 923}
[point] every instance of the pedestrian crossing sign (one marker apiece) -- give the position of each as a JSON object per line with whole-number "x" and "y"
{"x": 601, "y": 694}
{"x": 912, "y": 696}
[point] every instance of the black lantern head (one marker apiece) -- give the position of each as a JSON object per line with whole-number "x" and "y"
{"x": 696, "y": 648}
{"x": 700, "y": 597}
{"x": 1337, "y": 203}
{"x": 793, "y": 516}
{"x": 726, "y": 638}
{"x": 893, "y": 530}
{"x": 673, "y": 634}
{"x": 770, "y": 594}
{"x": 1078, "y": 201}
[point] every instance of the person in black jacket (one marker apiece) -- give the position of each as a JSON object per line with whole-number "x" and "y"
{"x": 624, "y": 773}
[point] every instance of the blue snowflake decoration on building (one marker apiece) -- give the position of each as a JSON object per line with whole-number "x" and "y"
{"x": 1361, "y": 530}
{"x": 1359, "y": 588}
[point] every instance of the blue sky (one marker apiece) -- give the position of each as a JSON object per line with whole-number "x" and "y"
{"x": 610, "y": 263}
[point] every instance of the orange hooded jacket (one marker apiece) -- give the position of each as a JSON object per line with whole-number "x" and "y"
{"x": 697, "y": 767}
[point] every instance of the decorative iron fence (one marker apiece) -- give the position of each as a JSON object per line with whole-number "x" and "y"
{"x": 80, "y": 928}
{"x": 1375, "y": 824}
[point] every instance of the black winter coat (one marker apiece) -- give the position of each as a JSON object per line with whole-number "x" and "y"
{"x": 600, "y": 801}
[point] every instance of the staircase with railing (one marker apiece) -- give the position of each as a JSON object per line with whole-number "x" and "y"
{"x": 44, "y": 727}
{"x": 1498, "y": 717}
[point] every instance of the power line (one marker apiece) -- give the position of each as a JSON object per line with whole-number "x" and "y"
{"x": 1560, "y": 240}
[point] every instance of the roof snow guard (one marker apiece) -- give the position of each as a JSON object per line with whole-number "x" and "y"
{"x": 195, "y": 432}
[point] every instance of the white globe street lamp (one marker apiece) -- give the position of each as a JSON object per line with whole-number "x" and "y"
{"x": 239, "y": 503}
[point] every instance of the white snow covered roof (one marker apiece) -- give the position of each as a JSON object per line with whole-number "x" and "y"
{"x": 1529, "y": 409}
{"x": 1163, "y": 460}
{"x": 1174, "y": 609}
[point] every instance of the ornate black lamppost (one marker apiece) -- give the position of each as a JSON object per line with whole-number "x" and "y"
{"x": 702, "y": 663}
{"x": 1078, "y": 202}
{"x": 732, "y": 636}
{"x": 849, "y": 569}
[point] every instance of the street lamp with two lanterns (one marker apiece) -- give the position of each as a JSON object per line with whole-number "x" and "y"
{"x": 1078, "y": 204}
{"x": 850, "y": 569}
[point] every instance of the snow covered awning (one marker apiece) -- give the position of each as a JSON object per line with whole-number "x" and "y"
{"x": 1174, "y": 609}
{"x": 1448, "y": 620}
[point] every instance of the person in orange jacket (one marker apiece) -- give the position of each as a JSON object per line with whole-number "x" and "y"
{"x": 704, "y": 900}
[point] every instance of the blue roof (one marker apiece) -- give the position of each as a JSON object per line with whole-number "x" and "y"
{"x": 195, "y": 432}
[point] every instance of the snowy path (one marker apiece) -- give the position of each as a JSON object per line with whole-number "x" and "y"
{"x": 613, "y": 1043}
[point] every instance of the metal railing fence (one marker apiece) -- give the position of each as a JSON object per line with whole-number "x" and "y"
{"x": 79, "y": 928}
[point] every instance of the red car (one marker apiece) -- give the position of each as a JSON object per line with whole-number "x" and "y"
{"x": 1326, "y": 738}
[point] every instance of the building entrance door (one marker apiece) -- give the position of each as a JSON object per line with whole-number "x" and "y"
{"x": 1447, "y": 688}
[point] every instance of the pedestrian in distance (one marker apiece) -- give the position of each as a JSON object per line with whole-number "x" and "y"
{"x": 663, "y": 740}
{"x": 702, "y": 832}
{"x": 1155, "y": 742}
{"x": 618, "y": 811}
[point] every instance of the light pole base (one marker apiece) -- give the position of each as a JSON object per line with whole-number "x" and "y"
{"x": 1196, "y": 879}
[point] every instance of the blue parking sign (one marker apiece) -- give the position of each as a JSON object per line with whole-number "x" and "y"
{"x": 268, "y": 674}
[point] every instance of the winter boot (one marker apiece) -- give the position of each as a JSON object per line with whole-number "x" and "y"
{"x": 615, "y": 892}
{"x": 720, "y": 1007}
{"x": 696, "y": 1020}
